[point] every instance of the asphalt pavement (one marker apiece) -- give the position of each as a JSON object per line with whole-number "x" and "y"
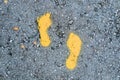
{"x": 97, "y": 22}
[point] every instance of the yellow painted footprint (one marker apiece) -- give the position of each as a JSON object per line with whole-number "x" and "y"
{"x": 44, "y": 22}
{"x": 74, "y": 44}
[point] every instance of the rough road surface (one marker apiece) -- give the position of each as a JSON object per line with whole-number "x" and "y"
{"x": 97, "y": 22}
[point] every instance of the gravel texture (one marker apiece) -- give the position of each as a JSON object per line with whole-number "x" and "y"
{"x": 97, "y": 22}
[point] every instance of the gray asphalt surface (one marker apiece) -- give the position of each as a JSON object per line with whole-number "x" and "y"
{"x": 97, "y": 22}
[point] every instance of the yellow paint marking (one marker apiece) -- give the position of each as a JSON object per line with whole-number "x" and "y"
{"x": 5, "y": 1}
{"x": 74, "y": 44}
{"x": 44, "y": 23}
